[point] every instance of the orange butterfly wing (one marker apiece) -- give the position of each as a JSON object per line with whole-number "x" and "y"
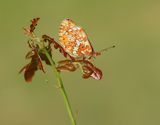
{"x": 74, "y": 40}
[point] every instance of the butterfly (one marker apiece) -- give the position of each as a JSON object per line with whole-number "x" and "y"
{"x": 75, "y": 41}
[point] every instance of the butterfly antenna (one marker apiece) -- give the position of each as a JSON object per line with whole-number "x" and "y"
{"x": 103, "y": 50}
{"x": 106, "y": 49}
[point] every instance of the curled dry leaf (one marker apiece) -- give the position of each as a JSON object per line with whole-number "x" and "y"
{"x": 90, "y": 70}
{"x": 35, "y": 64}
{"x": 66, "y": 65}
{"x": 32, "y": 26}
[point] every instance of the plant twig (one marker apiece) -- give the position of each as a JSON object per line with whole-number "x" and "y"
{"x": 63, "y": 91}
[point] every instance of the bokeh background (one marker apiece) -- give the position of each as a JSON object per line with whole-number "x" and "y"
{"x": 128, "y": 94}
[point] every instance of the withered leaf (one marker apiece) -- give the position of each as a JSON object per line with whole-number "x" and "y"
{"x": 66, "y": 65}
{"x": 33, "y": 24}
{"x": 35, "y": 64}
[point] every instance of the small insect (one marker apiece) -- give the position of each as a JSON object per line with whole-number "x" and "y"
{"x": 75, "y": 41}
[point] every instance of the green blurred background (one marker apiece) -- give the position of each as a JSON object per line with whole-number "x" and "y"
{"x": 128, "y": 94}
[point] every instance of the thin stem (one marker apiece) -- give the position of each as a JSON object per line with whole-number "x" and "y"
{"x": 63, "y": 91}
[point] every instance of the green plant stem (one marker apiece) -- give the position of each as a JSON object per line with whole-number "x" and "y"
{"x": 61, "y": 86}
